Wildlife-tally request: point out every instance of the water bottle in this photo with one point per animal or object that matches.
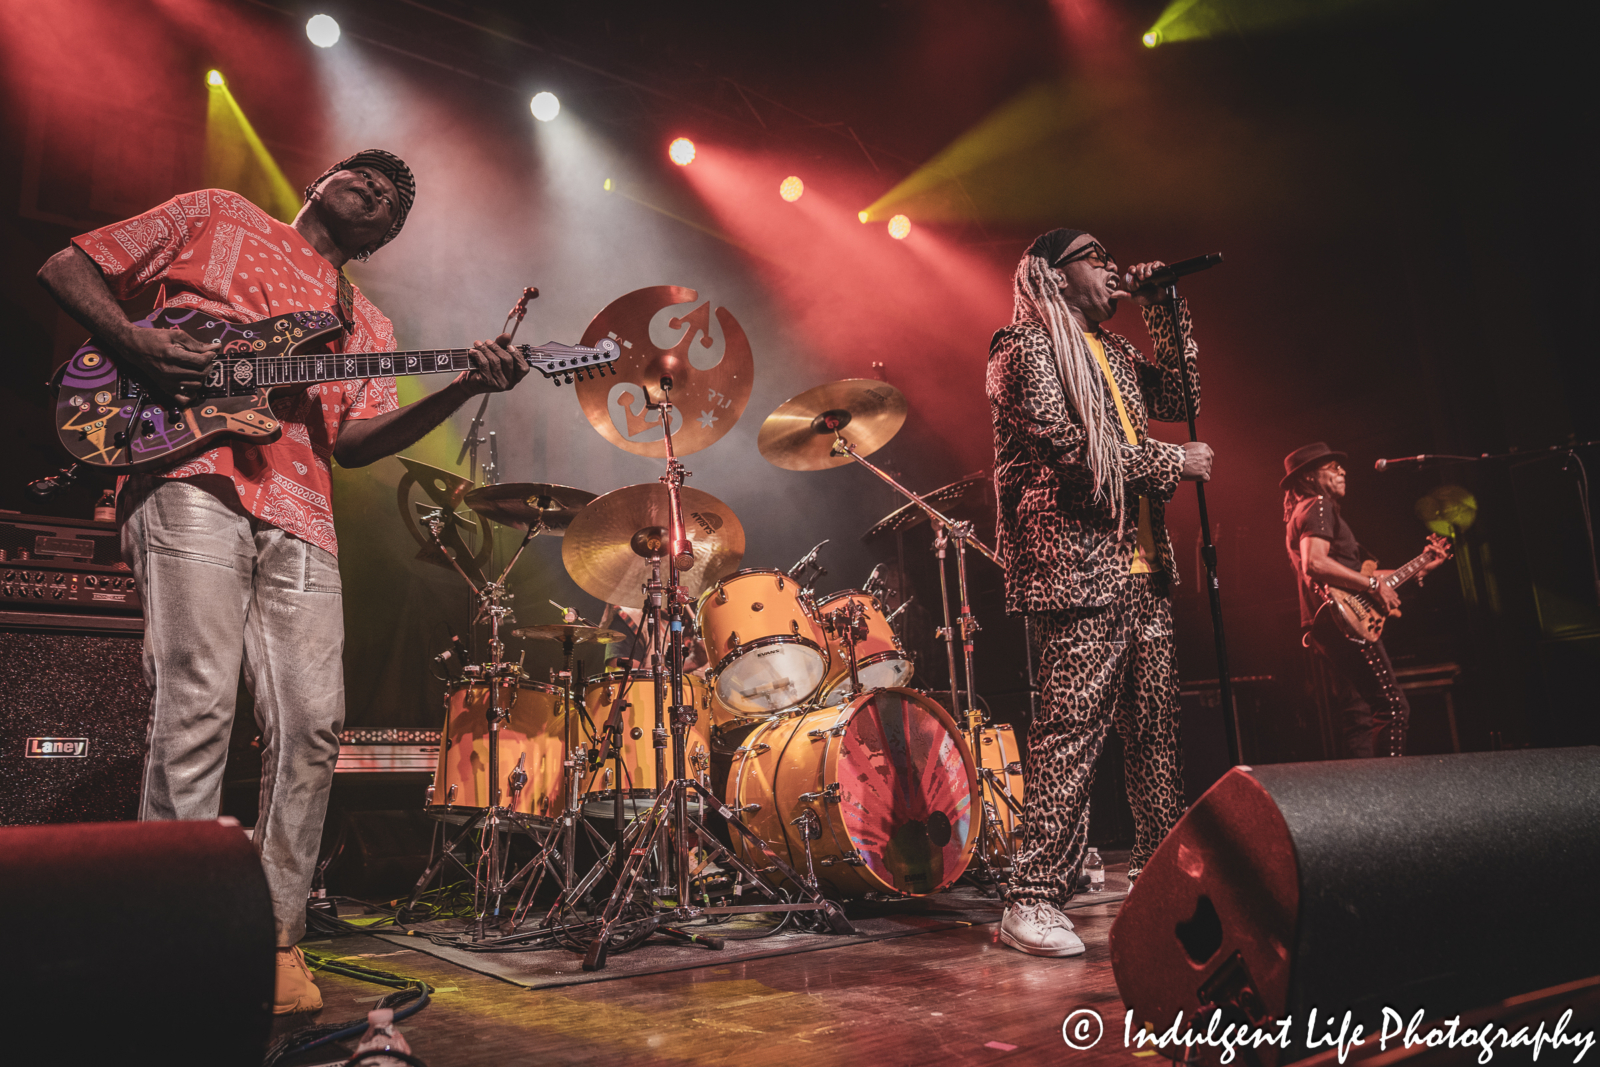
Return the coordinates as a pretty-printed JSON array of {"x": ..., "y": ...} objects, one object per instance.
[{"x": 1096, "y": 869}]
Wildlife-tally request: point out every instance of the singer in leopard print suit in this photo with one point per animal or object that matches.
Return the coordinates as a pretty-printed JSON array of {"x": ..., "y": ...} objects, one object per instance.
[{"x": 1082, "y": 490}]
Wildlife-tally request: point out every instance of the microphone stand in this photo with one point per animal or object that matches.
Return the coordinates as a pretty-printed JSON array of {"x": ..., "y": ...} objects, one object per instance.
[
  {"x": 1208, "y": 551},
  {"x": 470, "y": 443}
]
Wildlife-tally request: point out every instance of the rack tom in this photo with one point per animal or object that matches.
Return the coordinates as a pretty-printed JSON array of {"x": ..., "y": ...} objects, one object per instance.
[
  {"x": 881, "y": 662},
  {"x": 768, "y": 652},
  {"x": 883, "y": 787}
]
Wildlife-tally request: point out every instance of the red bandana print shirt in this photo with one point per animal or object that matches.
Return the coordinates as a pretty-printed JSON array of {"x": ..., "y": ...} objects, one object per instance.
[{"x": 215, "y": 251}]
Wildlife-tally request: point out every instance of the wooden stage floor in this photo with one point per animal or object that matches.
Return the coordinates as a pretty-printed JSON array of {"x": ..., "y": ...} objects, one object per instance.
[{"x": 948, "y": 997}]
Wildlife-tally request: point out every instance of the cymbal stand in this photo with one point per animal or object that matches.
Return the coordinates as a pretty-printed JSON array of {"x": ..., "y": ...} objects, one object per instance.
[
  {"x": 972, "y": 716},
  {"x": 673, "y": 796},
  {"x": 489, "y": 882}
]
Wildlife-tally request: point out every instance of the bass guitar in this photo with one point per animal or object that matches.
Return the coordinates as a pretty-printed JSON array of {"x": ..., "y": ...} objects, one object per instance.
[
  {"x": 108, "y": 416},
  {"x": 1361, "y": 615}
]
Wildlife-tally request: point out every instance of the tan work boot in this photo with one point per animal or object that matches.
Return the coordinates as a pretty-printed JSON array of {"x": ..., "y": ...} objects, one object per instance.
[{"x": 295, "y": 990}]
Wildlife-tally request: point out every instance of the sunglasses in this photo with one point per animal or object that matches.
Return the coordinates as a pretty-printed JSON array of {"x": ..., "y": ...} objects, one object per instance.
[{"x": 1094, "y": 252}]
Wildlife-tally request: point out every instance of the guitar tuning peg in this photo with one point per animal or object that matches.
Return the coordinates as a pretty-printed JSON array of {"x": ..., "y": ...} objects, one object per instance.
[{"x": 569, "y": 377}]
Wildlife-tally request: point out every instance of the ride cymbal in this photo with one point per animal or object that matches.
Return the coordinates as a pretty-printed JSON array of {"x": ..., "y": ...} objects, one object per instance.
[
  {"x": 523, "y": 504},
  {"x": 709, "y": 396},
  {"x": 968, "y": 498},
  {"x": 603, "y": 546},
  {"x": 579, "y": 635},
  {"x": 799, "y": 435}
]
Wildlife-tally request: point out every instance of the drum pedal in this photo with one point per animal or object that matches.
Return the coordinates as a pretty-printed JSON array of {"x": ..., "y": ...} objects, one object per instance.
[{"x": 852, "y": 857}]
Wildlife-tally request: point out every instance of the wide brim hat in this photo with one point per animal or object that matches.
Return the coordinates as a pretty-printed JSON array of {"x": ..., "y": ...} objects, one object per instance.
[
  {"x": 390, "y": 166},
  {"x": 1305, "y": 456}
]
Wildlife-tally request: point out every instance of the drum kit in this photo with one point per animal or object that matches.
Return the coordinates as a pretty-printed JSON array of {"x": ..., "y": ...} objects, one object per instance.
[{"x": 799, "y": 771}]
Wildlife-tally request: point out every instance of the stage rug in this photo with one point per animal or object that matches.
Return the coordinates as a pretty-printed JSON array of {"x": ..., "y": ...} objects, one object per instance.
[{"x": 545, "y": 967}]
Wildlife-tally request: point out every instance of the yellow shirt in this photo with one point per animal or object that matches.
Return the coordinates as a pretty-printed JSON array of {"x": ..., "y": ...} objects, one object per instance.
[{"x": 1144, "y": 556}]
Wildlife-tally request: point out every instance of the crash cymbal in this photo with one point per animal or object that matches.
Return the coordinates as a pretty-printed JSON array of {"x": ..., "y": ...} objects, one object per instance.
[
  {"x": 579, "y": 635},
  {"x": 967, "y": 499},
  {"x": 799, "y": 435},
  {"x": 708, "y": 390},
  {"x": 602, "y": 546},
  {"x": 524, "y": 503}
]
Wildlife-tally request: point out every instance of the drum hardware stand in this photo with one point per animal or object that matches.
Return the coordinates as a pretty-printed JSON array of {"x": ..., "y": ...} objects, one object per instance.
[
  {"x": 972, "y": 717},
  {"x": 637, "y": 845},
  {"x": 808, "y": 562},
  {"x": 489, "y": 882}
]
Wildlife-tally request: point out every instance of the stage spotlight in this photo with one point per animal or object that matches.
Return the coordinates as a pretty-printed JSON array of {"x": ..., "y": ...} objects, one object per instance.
[
  {"x": 792, "y": 188},
  {"x": 545, "y": 106},
  {"x": 899, "y": 227},
  {"x": 323, "y": 31},
  {"x": 1151, "y": 39},
  {"x": 607, "y": 186},
  {"x": 862, "y": 215},
  {"x": 214, "y": 79},
  {"x": 681, "y": 151}
]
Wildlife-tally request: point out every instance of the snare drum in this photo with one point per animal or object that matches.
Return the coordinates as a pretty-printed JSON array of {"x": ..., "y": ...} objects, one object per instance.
[
  {"x": 880, "y": 661},
  {"x": 638, "y": 743},
  {"x": 883, "y": 786},
  {"x": 769, "y": 653},
  {"x": 998, "y": 752},
  {"x": 531, "y": 740}
]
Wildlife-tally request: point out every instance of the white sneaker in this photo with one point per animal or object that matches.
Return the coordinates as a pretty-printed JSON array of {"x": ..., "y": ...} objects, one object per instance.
[{"x": 1039, "y": 930}]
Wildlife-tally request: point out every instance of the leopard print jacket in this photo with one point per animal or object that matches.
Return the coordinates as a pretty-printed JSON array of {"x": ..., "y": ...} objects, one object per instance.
[{"x": 1060, "y": 548}]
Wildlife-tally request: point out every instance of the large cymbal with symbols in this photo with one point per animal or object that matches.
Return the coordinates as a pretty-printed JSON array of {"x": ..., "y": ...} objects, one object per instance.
[
  {"x": 968, "y": 499},
  {"x": 578, "y": 635},
  {"x": 523, "y": 504},
  {"x": 607, "y": 546},
  {"x": 799, "y": 435},
  {"x": 709, "y": 389}
]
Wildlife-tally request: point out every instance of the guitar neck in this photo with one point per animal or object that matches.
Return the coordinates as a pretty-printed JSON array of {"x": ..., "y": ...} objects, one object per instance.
[
  {"x": 1405, "y": 573},
  {"x": 341, "y": 366}
]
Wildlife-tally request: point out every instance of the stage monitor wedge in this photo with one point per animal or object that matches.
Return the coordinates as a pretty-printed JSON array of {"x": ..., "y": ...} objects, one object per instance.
[{"x": 1436, "y": 882}]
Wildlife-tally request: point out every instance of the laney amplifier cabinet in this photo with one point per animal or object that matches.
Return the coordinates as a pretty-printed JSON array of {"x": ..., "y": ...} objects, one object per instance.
[
  {"x": 74, "y": 719},
  {"x": 51, "y": 567}
]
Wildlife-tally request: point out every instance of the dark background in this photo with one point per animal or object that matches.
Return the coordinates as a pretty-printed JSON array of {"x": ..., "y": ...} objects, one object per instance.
[{"x": 1397, "y": 189}]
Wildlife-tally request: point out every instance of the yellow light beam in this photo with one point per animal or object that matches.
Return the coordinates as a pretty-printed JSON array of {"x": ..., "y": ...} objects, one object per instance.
[
  {"x": 939, "y": 190},
  {"x": 237, "y": 160}
]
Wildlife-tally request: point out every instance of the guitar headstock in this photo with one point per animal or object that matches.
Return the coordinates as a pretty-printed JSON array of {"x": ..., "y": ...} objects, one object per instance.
[
  {"x": 567, "y": 363},
  {"x": 1438, "y": 547}
]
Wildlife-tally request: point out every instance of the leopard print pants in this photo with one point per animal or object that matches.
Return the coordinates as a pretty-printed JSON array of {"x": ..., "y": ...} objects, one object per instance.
[{"x": 1098, "y": 666}]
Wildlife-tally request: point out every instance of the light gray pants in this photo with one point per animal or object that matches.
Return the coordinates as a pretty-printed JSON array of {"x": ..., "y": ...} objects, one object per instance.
[{"x": 224, "y": 590}]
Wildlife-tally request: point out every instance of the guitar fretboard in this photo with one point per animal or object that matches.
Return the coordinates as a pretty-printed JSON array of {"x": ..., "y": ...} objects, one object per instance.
[
  {"x": 334, "y": 367},
  {"x": 1405, "y": 573}
]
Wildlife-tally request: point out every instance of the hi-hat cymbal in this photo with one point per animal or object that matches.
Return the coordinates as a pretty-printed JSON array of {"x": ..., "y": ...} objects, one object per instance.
[
  {"x": 799, "y": 435},
  {"x": 579, "y": 635},
  {"x": 602, "y": 547},
  {"x": 524, "y": 503},
  {"x": 965, "y": 499},
  {"x": 708, "y": 396}
]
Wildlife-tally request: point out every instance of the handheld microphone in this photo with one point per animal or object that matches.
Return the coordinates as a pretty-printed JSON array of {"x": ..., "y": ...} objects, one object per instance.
[{"x": 1171, "y": 273}]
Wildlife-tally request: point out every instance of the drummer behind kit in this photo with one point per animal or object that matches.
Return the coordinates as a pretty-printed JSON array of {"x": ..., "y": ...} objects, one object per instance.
[{"x": 839, "y": 781}]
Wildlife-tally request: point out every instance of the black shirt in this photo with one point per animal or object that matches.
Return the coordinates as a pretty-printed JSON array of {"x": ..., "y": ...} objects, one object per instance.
[{"x": 1318, "y": 516}]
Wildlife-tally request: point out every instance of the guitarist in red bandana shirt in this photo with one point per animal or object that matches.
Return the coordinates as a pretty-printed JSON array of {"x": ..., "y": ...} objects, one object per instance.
[
  {"x": 234, "y": 550},
  {"x": 1366, "y": 701}
]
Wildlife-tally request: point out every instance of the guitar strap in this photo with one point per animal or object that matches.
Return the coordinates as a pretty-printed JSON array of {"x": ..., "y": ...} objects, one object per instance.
[{"x": 347, "y": 304}]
